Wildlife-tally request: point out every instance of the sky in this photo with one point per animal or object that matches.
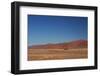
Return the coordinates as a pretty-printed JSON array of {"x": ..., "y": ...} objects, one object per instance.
[{"x": 44, "y": 29}]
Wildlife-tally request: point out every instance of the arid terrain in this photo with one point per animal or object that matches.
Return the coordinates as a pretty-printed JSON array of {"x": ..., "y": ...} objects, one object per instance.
[{"x": 68, "y": 50}]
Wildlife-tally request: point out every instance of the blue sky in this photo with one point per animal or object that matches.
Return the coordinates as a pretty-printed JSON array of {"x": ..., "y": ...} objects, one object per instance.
[{"x": 56, "y": 29}]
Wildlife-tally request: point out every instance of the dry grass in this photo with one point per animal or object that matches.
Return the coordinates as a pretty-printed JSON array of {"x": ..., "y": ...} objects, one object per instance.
[{"x": 52, "y": 54}]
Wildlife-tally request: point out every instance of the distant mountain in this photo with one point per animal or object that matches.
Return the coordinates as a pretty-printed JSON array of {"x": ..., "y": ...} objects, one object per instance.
[
  {"x": 78, "y": 44},
  {"x": 66, "y": 45}
]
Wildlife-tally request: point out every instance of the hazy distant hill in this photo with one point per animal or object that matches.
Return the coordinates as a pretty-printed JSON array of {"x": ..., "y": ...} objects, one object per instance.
[{"x": 66, "y": 45}]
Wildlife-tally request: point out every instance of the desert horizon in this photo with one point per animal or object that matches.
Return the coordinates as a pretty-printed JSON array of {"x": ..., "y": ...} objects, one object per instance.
[
  {"x": 57, "y": 37},
  {"x": 54, "y": 51}
]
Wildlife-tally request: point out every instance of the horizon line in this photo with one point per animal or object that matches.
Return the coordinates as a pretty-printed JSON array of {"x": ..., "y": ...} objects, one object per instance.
[{"x": 58, "y": 42}]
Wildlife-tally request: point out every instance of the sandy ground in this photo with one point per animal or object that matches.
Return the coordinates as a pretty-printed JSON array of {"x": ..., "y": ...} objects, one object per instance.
[{"x": 52, "y": 54}]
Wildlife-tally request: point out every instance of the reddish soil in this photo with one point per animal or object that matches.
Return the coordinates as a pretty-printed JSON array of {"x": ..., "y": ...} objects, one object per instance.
[{"x": 70, "y": 50}]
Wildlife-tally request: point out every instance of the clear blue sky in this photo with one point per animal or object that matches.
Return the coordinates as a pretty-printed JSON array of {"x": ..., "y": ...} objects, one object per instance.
[{"x": 56, "y": 29}]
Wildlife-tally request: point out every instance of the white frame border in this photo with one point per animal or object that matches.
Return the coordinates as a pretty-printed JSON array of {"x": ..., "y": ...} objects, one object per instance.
[{"x": 24, "y": 64}]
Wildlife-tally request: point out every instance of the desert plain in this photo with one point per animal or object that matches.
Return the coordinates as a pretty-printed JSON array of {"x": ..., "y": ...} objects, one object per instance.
[{"x": 69, "y": 50}]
